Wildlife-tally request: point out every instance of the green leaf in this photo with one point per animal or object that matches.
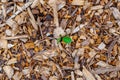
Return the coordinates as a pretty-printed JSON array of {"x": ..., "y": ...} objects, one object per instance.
[
  {"x": 59, "y": 40},
  {"x": 67, "y": 39}
]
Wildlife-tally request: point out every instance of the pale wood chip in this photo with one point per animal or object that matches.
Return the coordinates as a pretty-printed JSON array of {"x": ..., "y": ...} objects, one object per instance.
[
  {"x": 32, "y": 19},
  {"x": 12, "y": 23},
  {"x": 58, "y": 32},
  {"x": 72, "y": 76},
  {"x": 4, "y": 1},
  {"x": 17, "y": 76},
  {"x": 3, "y": 43},
  {"x": 12, "y": 61},
  {"x": 23, "y": 8},
  {"x": 98, "y": 77},
  {"x": 3, "y": 10},
  {"x": 45, "y": 55},
  {"x": 87, "y": 74},
  {"x": 92, "y": 53},
  {"x": 26, "y": 71},
  {"x": 16, "y": 37},
  {"x": 78, "y": 72},
  {"x": 80, "y": 52},
  {"x": 79, "y": 79},
  {"x": 35, "y": 3},
  {"x": 116, "y": 13},
  {"x": 20, "y": 19},
  {"x": 102, "y": 64},
  {"x": 101, "y": 46},
  {"x": 8, "y": 32},
  {"x": 96, "y": 7},
  {"x": 75, "y": 30},
  {"x": 107, "y": 69},
  {"x": 113, "y": 74},
  {"x": 53, "y": 78},
  {"x": 59, "y": 69},
  {"x": 9, "y": 71},
  {"x": 60, "y": 4},
  {"x": 78, "y": 2},
  {"x": 53, "y": 4}
]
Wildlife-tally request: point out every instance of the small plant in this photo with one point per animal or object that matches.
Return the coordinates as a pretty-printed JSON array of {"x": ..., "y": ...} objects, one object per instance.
[{"x": 65, "y": 39}]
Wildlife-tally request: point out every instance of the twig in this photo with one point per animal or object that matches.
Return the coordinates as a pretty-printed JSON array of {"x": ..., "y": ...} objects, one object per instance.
[
  {"x": 16, "y": 37},
  {"x": 54, "y": 6},
  {"x": 20, "y": 10},
  {"x": 104, "y": 70},
  {"x": 40, "y": 29},
  {"x": 72, "y": 76},
  {"x": 59, "y": 69},
  {"x": 17, "y": 12},
  {"x": 111, "y": 47},
  {"x": 32, "y": 19}
]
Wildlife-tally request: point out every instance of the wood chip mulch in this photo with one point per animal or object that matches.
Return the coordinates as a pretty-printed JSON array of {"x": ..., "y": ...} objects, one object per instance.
[{"x": 29, "y": 32}]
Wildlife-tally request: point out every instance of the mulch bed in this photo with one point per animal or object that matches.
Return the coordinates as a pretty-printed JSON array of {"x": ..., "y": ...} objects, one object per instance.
[{"x": 59, "y": 39}]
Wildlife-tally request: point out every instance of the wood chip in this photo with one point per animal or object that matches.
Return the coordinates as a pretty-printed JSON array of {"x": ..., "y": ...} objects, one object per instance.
[
  {"x": 102, "y": 64},
  {"x": 9, "y": 71},
  {"x": 58, "y": 31},
  {"x": 17, "y": 76},
  {"x": 87, "y": 74},
  {"x": 72, "y": 76},
  {"x": 12, "y": 61},
  {"x": 96, "y": 7},
  {"x": 101, "y": 46},
  {"x": 78, "y": 2},
  {"x": 3, "y": 44},
  {"x": 45, "y": 55}
]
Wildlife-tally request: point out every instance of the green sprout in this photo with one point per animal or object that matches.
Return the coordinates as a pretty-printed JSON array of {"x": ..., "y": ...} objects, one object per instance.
[{"x": 65, "y": 39}]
